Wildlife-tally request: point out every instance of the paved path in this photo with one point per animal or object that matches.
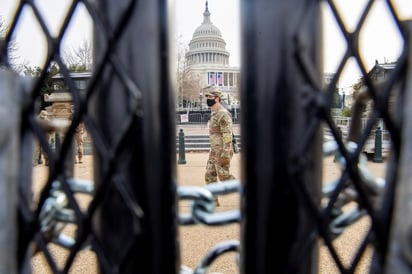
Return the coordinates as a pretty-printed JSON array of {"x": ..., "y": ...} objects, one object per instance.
[
  {"x": 200, "y": 129},
  {"x": 195, "y": 241}
]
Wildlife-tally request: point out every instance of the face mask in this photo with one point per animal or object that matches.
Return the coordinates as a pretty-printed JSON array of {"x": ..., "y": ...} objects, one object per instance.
[{"x": 210, "y": 102}]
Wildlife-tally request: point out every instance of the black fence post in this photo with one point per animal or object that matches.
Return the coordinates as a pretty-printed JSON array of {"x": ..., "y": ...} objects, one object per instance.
[
  {"x": 10, "y": 169},
  {"x": 377, "y": 154},
  {"x": 398, "y": 256},
  {"x": 337, "y": 153},
  {"x": 280, "y": 63},
  {"x": 133, "y": 108},
  {"x": 182, "y": 149}
]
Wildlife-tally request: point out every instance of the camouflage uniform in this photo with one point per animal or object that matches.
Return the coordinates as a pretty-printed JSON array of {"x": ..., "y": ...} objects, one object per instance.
[
  {"x": 220, "y": 130},
  {"x": 79, "y": 141},
  {"x": 38, "y": 150}
]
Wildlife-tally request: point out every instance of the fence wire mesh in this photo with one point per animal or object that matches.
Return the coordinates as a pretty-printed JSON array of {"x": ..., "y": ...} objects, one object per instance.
[{"x": 129, "y": 222}]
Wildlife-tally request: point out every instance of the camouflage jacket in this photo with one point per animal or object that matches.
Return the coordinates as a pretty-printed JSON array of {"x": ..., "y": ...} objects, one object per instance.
[{"x": 220, "y": 131}]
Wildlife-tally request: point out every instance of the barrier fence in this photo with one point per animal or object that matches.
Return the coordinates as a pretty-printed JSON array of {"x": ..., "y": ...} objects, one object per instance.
[{"x": 287, "y": 212}]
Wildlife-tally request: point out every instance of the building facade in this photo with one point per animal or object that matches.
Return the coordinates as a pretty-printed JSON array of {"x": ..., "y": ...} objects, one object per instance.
[
  {"x": 61, "y": 99},
  {"x": 208, "y": 60}
]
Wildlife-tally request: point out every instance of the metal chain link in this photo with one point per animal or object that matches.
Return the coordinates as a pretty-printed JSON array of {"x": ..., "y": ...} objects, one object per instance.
[
  {"x": 55, "y": 213},
  {"x": 203, "y": 203},
  {"x": 374, "y": 186}
]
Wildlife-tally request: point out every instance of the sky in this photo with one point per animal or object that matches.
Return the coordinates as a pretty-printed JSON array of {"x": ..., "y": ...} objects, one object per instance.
[
  {"x": 224, "y": 14},
  {"x": 380, "y": 41},
  {"x": 31, "y": 43}
]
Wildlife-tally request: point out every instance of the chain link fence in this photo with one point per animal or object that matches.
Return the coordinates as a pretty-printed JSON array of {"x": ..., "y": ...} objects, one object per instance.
[{"x": 130, "y": 224}]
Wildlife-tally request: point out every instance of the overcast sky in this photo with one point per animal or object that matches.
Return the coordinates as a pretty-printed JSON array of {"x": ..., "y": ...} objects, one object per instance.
[
  {"x": 30, "y": 40},
  {"x": 224, "y": 14},
  {"x": 380, "y": 40}
]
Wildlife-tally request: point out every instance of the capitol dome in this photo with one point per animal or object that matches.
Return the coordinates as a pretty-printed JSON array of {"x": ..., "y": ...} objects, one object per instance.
[
  {"x": 207, "y": 27},
  {"x": 207, "y": 64},
  {"x": 207, "y": 45}
]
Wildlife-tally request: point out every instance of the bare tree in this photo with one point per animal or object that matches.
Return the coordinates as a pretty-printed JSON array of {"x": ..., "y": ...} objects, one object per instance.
[
  {"x": 11, "y": 48},
  {"x": 80, "y": 58},
  {"x": 188, "y": 82}
]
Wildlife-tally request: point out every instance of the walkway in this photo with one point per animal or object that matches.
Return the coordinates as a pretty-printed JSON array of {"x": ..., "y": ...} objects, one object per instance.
[{"x": 195, "y": 241}]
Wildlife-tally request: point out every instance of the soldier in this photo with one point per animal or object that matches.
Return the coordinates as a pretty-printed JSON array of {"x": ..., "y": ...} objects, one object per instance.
[
  {"x": 220, "y": 134},
  {"x": 39, "y": 152},
  {"x": 79, "y": 142}
]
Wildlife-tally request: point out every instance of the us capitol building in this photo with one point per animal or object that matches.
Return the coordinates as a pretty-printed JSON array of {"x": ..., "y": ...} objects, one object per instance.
[{"x": 208, "y": 60}]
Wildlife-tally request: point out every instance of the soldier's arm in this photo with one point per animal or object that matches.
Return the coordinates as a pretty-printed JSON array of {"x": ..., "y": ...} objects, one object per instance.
[{"x": 225, "y": 124}]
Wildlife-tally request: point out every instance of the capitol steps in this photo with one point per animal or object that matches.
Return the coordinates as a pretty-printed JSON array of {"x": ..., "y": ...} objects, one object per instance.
[{"x": 199, "y": 142}]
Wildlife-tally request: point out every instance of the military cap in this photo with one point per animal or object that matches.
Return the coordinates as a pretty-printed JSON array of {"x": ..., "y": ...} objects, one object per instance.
[{"x": 213, "y": 91}]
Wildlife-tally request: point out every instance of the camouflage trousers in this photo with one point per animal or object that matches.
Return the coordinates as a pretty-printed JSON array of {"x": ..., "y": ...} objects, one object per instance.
[
  {"x": 215, "y": 169},
  {"x": 39, "y": 154}
]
